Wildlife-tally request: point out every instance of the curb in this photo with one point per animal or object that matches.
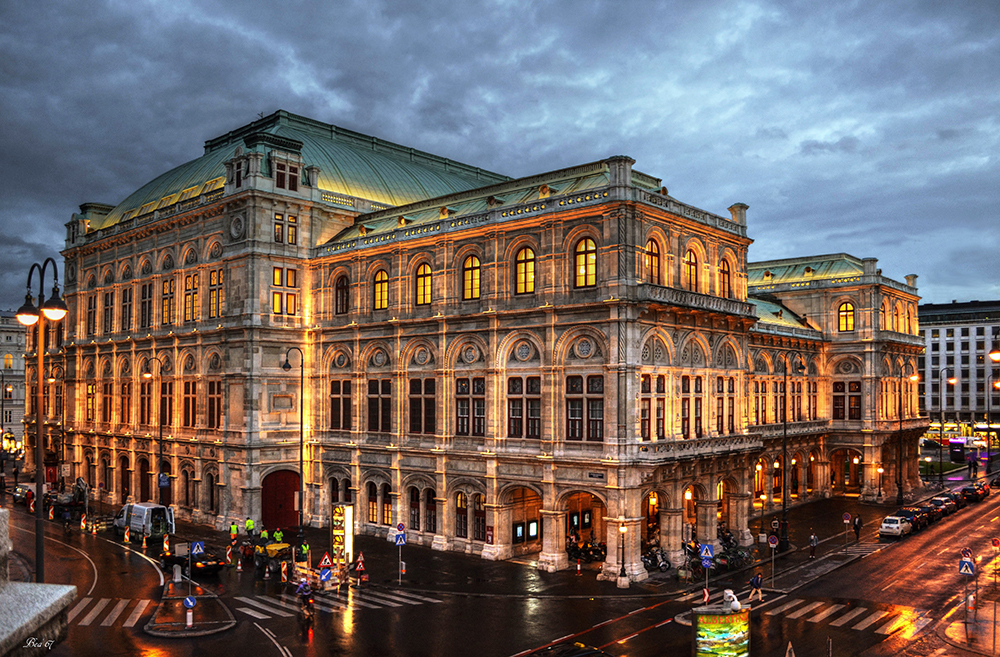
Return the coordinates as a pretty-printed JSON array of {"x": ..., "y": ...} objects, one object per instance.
[{"x": 196, "y": 630}]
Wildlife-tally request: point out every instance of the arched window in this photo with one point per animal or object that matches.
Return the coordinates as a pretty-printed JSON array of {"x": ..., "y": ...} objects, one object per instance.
[
  {"x": 909, "y": 321},
  {"x": 586, "y": 263},
  {"x": 414, "y": 508},
  {"x": 210, "y": 493},
  {"x": 470, "y": 278},
  {"x": 725, "y": 280},
  {"x": 525, "y": 271},
  {"x": 430, "y": 517},
  {"x": 386, "y": 505},
  {"x": 461, "y": 516},
  {"x": 897, "y": 322},
  {"x": 380, "y": 300},
  {"x": 372, "y": 503},
  {"x": 881, "y": 319},
  {"x": 8, "y": 361},
  {"x": 478, "y": 517},
  {"x": 422, "y": 293},
  {"x": 186, "y": 487},
  {"x": 341, "y": 295},
  {"x": 652, "y": 262},
  {"x": 690, "y": 271},
  {"x": 845, "y": 316}
]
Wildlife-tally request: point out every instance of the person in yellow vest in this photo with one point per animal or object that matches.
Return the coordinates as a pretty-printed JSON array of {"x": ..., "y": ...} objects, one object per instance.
[
  {"x": 304, "y": 550},
  {"x": 233, "y": 530},
  {"x": 278, "y": 535},
  {"x": 249, "y": 527},
  {"x": 263, "y": 534}
]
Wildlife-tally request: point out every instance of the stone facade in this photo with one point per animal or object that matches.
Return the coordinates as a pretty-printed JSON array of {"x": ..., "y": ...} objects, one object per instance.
[{"x": 496, "y": 367}]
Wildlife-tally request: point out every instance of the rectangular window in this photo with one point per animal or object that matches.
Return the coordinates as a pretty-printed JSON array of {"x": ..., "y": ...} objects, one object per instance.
[
  {"x": 592, "y": 400},
  {"x": 854, "y": 400},
  {"x": 92, "y": 315},
  {"x": 293, "y": 230},
  {"x": 106, "y": 402},
  {"x": 190, "y": 404},
  {"x": 422, "y": 406},
  {"x": 279, "y": 176},
  {"x": 291, "y": 278},
  {"x": 109, "y": 312},
  {"x": 379, "y": 405},
  {"x": 279, "y": 228},
  {"x": 470, "y": 398},
  {"x": 191, "y": 298},
  {"x": 720, "y": 415},
  {"x": 291, "y": 304},
  {"x": 166, "y": 403},
  {"x": 277, "y": 302},
  {"x": 340, "y": 405},
  {"x": 167, "y": 303},
  {"x": 214, "y": 405},
  {"x": 145, "y": 397},
  {"x": 215, "y": 293},
  {"x": 145, "y": 305},
  {"x": 91, "y": 401},
  {"x": 125, "y": 404},
  {"x": 125, "y": 319},
  {"x": 524, "y": 407}
]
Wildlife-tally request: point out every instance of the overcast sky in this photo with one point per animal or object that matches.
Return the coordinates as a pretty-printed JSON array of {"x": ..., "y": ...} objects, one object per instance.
[{"x": 864, "y": 127}]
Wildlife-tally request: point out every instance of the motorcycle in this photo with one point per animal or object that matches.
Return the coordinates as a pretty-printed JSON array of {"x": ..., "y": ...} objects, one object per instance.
[
  {"x": 655, "y": 559},
  {"x": 307, "y": 611},
  {"x": 575, "y": 552},
  {"x": 597, "y": 551}
]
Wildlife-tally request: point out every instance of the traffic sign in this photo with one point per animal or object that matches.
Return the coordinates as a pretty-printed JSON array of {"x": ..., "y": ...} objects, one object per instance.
[
  {"x": 361, "y": 557},
  {"x": 400, "y": 539},
  {"x": 966, "y": 567},
  {"x": 775, "y": 524},
  {"x": 325, "y": 574},
  {"x": 190, "y": 602},
  {"x": 705, "y": 596},
  {"x": 197, "y": 547},
  {"x": 706, "y": 563},
  {"x": 967, "y": 553},
  {"x": 772, "y": 541},
  {"x": 164, "y": 480},
  {"x": 401, "y": 527},
  {"x": 996, "y": 542},
  {"x": 325, "y": 562},
  {"x": 847, "y": 518},
  {"x": 706, "y": 551}
]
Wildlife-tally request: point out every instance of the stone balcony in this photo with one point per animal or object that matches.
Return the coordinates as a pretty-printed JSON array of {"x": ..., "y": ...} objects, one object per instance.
[{"x": 670, "y": 296}]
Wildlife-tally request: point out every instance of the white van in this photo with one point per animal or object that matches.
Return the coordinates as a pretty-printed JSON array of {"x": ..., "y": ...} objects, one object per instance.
[{"x": 145, "y": 518}]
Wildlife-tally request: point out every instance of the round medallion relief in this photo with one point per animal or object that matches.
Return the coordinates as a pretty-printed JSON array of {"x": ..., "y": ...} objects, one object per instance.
[
  {"x": 584, "y": 348},
  {"x": 470, "y": 354},
  {"x": 421, "y": 357},
  {"x": 236, "y": 227},
  {"x": 340, "y": 360},
  {"x": 523, "y": 351},
  {"x": 379, "y": 358}
]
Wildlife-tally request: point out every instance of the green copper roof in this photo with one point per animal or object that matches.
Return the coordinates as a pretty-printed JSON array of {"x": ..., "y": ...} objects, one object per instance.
[
  {"x": 770, "y": 312},
  {"x": 795, "y": 270},
  {"x": 350, "y": 163}
]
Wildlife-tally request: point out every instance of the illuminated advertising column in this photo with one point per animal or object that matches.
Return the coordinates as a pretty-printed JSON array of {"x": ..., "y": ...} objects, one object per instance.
[
  {"x": 720, "y": 630},
  {"x": 342, "y": 534}
]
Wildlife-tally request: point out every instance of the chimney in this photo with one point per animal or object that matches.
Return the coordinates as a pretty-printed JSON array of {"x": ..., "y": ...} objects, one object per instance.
[{"x": 911, "y": 280}]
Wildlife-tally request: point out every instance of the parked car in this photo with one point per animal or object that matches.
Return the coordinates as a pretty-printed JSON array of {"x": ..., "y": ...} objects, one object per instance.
[
  {"x": 935, "y": 513},
  {"x": 982, "y": 486},
  {"x": 20, "y": 493},
  {"x": 972, "y": 494},
  {"x": 569, "y": 649},
  {"x": 945, "y": 503},
  {"x": 917, "y": 518},
  {"x": 206, "y": 563},
  {"x": 956, "y": 497},
  {"x": 895, "y": 526}
]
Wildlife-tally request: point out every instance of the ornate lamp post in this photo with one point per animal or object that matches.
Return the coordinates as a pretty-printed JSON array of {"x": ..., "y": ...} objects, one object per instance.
[
  {"x": 161, "y": 478},
  {"x": 62, "y": 419},
  {"x": 783, "y": 538},
  {"x": 951, "y": 381},
  {"x": 10, "y": 448},
  {"x": 880, "y": 470},
  {"x": 622, "y": 575},
  {"x": 52, "y": 310},
  {"x": 302, "y": 441}
]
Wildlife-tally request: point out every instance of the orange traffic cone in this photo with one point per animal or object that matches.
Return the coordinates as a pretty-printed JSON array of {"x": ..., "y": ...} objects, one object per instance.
[
  {"x": 239, "y": 565},
  {"x": 93, "y": 528},
  {"x": 143, "y": 541}
]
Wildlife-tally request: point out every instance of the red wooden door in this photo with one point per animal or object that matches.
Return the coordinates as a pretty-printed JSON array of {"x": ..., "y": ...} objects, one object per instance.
[{"x": 278, "y": 500}]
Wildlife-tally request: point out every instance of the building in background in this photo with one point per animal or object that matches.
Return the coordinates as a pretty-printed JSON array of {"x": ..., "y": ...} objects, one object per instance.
[
  {"x": 958, "y": 339},
  {"x": 496, "y": 363},
  {"x": 12, "y": 348}
]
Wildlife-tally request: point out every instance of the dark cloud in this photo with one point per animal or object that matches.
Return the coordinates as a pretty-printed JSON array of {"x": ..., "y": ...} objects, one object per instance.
[{"x": 861, "y": 127}]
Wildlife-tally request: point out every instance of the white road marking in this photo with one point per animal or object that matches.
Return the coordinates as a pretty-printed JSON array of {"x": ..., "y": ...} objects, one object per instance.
[
  {"x": 802, "y": 611},
  {"x": 826, "y": 612},
  {"x": 98, "y": 608},
  {"x": 133, "y": 618},
  {"x": 784, "y": 607},
  {"x": 285, "y": 652},
  {"x": 276, "y": 612},
  {"x": 871, "y": 620},
  {"x": 849, "y": 616},
  {"x": 77, "y": 609},
  {"x": 408, "y": 594},
  {"x": 251, "y": 612},
  {"x": 115, "y": 613}
]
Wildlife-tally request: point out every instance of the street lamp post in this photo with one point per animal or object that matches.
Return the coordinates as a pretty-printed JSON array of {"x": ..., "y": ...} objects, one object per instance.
[
  {"x": 783, "y": 538},
  {"x": 62, "y": 420},
  {"x": 622, "y": 574},
  {"x": 161, "y": 475},
  {"x": 52, "y": 310},
  {"x": 302, "y": 442},
  {"x": 941, "y": 381},
  {"x": 880, "y": 470}
]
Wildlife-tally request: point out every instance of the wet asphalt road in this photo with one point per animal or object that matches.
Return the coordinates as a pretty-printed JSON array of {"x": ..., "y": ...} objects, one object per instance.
[{"x": 444, "y": 609}]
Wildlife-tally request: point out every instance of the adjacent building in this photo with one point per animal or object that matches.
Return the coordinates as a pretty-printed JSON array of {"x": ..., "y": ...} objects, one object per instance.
[
  {"x": 12, "y": 348},
  {"x": 494, "y": 362}
]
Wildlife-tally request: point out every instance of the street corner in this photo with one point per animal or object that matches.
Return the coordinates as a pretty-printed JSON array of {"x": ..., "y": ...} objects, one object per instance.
[{"x": 183, "y": 614}]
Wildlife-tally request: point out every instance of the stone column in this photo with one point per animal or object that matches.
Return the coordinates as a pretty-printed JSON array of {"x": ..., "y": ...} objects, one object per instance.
[
  {"x": 803, "y": 470},
  {"x": 823, "y": 478},
  {"x": 739, "y": 503},
  {"x": 671, "y": 535},
  {"x": 445, "y": 526},
  {"x": 553, "y": 556},
  {"x": 707, "y": 523}
]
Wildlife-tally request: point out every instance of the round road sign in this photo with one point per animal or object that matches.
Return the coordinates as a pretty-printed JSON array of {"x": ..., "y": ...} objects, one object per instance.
[
  {"x": 190, "y": 602},
  {"x": 966, "y": 552},
  {"x": 706, "y": 563},
  {"x": 996, "y": 542},
  {"x": 772, "y": 541},
  {"x": 401, "y": 527},
  {"x": 847, "y": 518},
  {"x": 774, "y": 523}
]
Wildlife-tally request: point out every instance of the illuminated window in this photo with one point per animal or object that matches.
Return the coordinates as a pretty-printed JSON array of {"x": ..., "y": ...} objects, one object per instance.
[
  {"x": 372, "y": 502},
  {"x": 293, "y": 230},
  {"x": 423, "y": 285},
  {"x": 845, "y": 316},
  {"x": 470, "y": 278},
  {"x": 277, "y": 302},
  {"x": 690, "y": 271},
  {"x": 291, "y": 278},
  {"x": 291, "y": 304},
  {"x": 386, "y": 504},
  {"x": 652, "y": 260},
  {"x": 215, "y": 293},
  {"x": 277, "y": 276},
  {"x": 725, "y": 280},
  {"x": 381, "y": 291},
  {"x": 167, "y": 302},
  {"x": 125, "y": 318},
  {"x": 340, "y": 405},
  {"x": 525, "y": 271},
  {"x": 586, "y": 263},
  {"x": 341, "y": 295},
  {"x": 191, "y": 298},
  {"x": 279, "y": 228}
]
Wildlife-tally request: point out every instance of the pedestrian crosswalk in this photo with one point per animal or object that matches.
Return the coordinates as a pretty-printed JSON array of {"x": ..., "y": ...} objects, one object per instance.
[
  {"x": 285, "y": 605},
  {"x": 864, "y": 549},
  {"x": 96, "y": 611}
]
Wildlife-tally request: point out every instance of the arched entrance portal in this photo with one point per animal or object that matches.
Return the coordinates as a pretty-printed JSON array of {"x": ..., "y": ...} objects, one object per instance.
[
  {"x": 846, "y": 471},
  {"x": 143, "y": 480},
  {"x": 124, "y": 489},
  {"x": 585, "y": 516},
  {"x": 278, "y": 492}
]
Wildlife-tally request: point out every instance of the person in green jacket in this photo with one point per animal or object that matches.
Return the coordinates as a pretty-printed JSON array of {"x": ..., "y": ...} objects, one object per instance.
[
  {"x": 278, "y": 535},
  {"x": 263, "y": 534},
  {"x": 249, "y": 527},
  {"x": 233, "y": 530}
]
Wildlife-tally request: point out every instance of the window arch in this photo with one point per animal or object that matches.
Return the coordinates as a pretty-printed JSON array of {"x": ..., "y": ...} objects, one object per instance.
[
  {"x": 897, "y": 320},
  {"x": 725, "y": 280},
  {"x": 690, "y": 272},
  {"x": 210, "y": 497},
  {"x": 586, "y": 263},
  {"x": 461, "y": 515},
  {"x": 470, "y": 278},
  {"x": 341, "y": 295},
  {"x": 652, "y": 262},
  {"x": 8, "y": 361},
  {"x": 882, "y": 319},
  {"x": 372, "y": 503},
  {"x": 422, "y": 284},
  {"x": 524, "y": 268},
  {"x": 845, "y": 316},
  {"x": 380, "y": 296}
]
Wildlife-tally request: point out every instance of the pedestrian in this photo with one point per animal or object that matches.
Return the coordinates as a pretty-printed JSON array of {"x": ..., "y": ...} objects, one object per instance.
[
  {"x": 756, "y": 582},
  {"x": 249, "y": 527},
  {"x": 233, "y": 530},
  {"x": 278, "y": 535},
  {"x": 304, "y": 550},
  {"x": 857, "y": 527},
  {"x": 813, "y": 542}
]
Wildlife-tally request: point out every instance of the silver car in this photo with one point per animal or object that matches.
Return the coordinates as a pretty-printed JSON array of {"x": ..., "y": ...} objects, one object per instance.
[{"x": 895, "y": 526}]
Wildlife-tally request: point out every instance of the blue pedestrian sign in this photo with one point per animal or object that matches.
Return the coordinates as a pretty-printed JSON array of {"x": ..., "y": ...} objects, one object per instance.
[
  {"x": 401, "y": 539},
  {"x": 706, "y": 563},
  {"x": 325, "y": 575},
  {"x": 967, "y": 567},
  {"x": 706, "y": 551},
  {"x": 190, "y": 602},
  {"x": 197, "y": 547}
]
